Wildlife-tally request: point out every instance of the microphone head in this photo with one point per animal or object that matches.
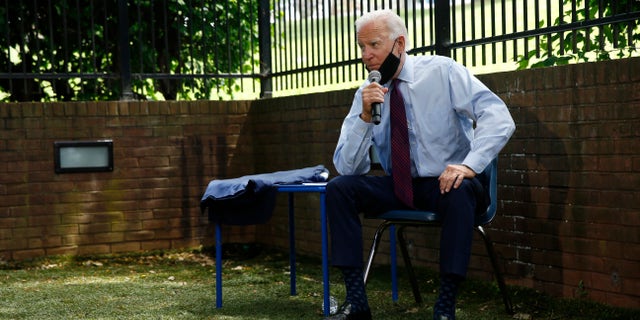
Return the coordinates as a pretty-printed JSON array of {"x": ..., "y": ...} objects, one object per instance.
[{"x": 375, "y": 76}]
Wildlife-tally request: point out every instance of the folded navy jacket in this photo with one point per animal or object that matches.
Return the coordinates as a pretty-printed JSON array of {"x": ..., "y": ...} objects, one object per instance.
[{"x": 251, "y": 199}]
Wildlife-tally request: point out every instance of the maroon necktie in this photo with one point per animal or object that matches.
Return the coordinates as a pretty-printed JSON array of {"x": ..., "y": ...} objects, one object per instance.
[{"x": 400, "y": 159}]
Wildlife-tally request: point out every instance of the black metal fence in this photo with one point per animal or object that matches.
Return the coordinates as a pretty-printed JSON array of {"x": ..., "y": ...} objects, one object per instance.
[{"x": 226, "y": 49}]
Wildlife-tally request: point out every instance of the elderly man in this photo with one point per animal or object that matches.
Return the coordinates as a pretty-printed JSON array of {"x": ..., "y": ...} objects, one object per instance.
[{"x": 438, "y": 127}]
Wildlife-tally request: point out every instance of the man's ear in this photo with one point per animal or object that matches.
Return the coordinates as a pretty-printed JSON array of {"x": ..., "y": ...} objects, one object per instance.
[{"x": 402, "y": 44}]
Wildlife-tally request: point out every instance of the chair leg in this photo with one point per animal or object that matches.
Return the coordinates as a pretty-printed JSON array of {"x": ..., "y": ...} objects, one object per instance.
[
  {"x": 393, "y": 257},
  {"x": 408, "y": 265},
  {"x": 494, "y": 262},
  {"x": 374, "y": 247}
]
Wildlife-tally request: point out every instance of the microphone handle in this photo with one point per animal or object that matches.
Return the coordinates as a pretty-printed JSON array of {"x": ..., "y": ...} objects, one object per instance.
[{"x": 375, "y": 113}]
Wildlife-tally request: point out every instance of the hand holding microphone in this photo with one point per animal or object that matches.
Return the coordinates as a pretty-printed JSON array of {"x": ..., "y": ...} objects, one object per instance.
[{"x": 375, "y": 76}]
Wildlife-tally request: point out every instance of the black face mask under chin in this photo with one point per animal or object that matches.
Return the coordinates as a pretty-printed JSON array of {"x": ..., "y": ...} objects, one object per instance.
[{"x": 389, "y": 66}]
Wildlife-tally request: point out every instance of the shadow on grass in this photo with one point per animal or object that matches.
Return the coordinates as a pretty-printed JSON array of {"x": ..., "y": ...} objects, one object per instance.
[{"x": 181, "y": 285}]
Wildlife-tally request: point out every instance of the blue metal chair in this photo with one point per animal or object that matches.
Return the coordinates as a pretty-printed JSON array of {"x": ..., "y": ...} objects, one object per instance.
[{"x": 415, "y": 218}]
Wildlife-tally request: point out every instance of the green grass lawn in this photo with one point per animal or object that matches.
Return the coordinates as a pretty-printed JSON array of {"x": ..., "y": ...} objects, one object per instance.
[{"x": 181, "y": 285}]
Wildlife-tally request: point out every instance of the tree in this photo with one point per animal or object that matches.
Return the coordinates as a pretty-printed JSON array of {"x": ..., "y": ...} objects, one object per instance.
[
  {"x": 597, "y": 43},
  {"x": 70, "y": 48}
]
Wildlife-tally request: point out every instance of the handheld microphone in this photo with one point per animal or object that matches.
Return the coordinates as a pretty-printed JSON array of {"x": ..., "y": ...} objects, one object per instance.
[{"x": 375, "y": 76}]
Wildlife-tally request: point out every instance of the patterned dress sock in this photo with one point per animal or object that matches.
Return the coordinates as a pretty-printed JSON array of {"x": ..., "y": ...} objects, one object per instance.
[
  {"x": 354, "y": 283},
  {"x": 446, "y": 303}
]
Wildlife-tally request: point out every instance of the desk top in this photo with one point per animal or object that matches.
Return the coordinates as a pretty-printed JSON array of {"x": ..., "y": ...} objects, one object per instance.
[{"x": 303, "y": 187}]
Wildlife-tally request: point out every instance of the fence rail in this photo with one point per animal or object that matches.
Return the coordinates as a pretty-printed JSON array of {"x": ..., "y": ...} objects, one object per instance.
[{"x": 231, "y": 49}]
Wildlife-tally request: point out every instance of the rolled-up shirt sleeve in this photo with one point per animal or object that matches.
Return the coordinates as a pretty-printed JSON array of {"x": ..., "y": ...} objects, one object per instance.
[
  {"x": 351, "y": 156},
  {"x": 493, "y": 122}
]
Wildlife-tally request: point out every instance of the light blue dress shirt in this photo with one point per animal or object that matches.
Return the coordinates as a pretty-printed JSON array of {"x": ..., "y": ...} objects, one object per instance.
[{"x": 443, "y": 100}]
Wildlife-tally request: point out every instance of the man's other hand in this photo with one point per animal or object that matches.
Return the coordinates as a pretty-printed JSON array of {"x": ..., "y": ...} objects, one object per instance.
[{"x": 453, "y": 175}]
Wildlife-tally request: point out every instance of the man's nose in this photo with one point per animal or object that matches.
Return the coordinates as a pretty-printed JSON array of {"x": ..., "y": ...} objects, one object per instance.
[{"x": 366, "y": 54}]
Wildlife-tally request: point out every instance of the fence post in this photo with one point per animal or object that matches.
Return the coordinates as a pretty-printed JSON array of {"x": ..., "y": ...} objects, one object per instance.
[
  {"x": 124, "y": 51},
  {"x": 264, "y": 39},
  {"x": 443, "y": 28}
]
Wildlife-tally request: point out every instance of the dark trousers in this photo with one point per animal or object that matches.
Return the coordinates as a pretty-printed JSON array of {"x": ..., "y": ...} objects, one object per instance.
[{"x": 348, "y": 196}]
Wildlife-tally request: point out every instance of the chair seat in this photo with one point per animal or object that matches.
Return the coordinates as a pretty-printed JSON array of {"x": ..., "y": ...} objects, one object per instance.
[
  {"x": 410, "y": 215},
  {"x": 424, "y": 217}
]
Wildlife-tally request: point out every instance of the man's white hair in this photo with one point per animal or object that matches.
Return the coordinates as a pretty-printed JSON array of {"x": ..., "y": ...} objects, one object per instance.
[{"x": 393, "y": 22}]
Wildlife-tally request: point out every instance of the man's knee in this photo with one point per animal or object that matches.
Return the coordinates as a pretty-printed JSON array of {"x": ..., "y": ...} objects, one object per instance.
[
  {"x": 471, "y": 194},
  {"x": 341, "y": 183},
  {"x": 463, "y": 195},
  {"x": 465, "y": 189}
]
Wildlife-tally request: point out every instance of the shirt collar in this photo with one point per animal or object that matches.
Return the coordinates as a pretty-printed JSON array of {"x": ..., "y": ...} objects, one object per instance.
[{"x": 407, "y": 74}]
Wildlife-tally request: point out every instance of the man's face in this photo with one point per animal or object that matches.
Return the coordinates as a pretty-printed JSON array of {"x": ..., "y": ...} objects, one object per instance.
[{"x": 374, "y": 43}]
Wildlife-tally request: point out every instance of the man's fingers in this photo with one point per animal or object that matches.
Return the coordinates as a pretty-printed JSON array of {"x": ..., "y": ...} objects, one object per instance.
[{"x": 450, "y": 179}]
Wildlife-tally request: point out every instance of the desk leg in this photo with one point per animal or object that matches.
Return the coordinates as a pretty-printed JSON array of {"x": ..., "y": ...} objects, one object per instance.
[
  {"x": 292, "y": 246},
  {"x": 218, "y": 265},
  {"x": 325, "y": 254}
]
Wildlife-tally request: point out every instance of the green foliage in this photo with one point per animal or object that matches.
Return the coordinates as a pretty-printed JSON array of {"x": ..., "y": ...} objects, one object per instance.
[
  {"x": 58, "y": 38},
  {"x": 601, "y": 43}
]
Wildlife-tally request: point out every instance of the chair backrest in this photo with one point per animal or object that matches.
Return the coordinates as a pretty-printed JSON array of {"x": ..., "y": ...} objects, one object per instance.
[{"x": 490, "y": 177}]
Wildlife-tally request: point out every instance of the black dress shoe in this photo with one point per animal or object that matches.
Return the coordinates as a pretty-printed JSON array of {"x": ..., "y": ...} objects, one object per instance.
[
  {"x": 345, "y": 313},
  {"x": 442, "y": 317}
]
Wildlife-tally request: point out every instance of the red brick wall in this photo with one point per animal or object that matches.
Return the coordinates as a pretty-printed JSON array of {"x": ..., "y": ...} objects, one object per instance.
[
  {"x": 568, "y": 216},
  {"x": 164, "y": 153},
  {"x": 570, "y": 213}
]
